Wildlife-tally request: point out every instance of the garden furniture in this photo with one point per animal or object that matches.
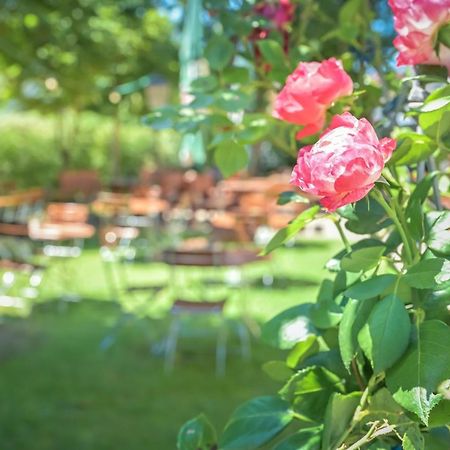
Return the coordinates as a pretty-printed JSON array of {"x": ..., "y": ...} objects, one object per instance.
[
  {"x": 19, "y": 285},
  {"x": 80, "y": 185},
  {"x": 116, "y": 252},
  {"x": 207, "y": 261},
  {"x": 62, "y": 233},
  {"x": 17, "y": 208}
]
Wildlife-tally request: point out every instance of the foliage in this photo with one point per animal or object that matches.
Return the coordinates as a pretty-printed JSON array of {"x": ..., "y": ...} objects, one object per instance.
[
  {"x": 367, "y": 364},
  {"x": 74, "y": 53},
  {"x": 30, "y": 156}
]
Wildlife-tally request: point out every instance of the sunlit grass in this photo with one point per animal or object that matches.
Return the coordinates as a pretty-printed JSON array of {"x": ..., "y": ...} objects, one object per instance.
[{"x": 60, "y": 390}]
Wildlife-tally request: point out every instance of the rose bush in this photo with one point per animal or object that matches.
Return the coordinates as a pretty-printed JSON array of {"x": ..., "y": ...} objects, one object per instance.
[
  {"x": 417, "y": 24},
  {"x": 308, "y": 93},
  {"x": 344, "y": 164},
  {"x": 365, "y": 364}
]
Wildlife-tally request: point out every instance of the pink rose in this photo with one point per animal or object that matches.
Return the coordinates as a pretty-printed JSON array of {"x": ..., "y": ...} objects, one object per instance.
[
  {"x": 343, "y": 165},
  {"x": 417, "y": 23},
  {"x": 308, "y": 93},
  {"x": 281, "y": 13}
]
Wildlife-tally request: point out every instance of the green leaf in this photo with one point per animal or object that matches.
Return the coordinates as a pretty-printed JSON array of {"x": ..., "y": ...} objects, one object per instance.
[
  {"x": 219, "y": 52},
  {"x": 443, "y": 131},
  {"x": 257, "y": 127},
  {"x": 372, "y": 287},
  {"x": 355, "y": 315},
  {"x": 334, "y": 264},
  {"x": 309, "y": 390},
  {"x": 413, "y": 439},
  {"x": 161, "y": 118},
  {"x": 418, "y": 401},
  {"x": 443, "y": 36},
  {"x": 434, "y": 105},
  {"x": 414, "y": 211},
  {"x": 287, "y": 233},
  {"x": 326, "y": 314},
  {"x": 201, "y": 101},
  {"x": 415, "y": 378},
  {"x": 437, "y": 225},
  {"x": 340, "y": 410},
  {"x": 236, "y": 75},
  {"x": 305, "y": 439},
  {"x": 431, "y": 121},
  {"x": 277, "y": 370},
  {"x": 329, "y": 359},
  {"x": 385, "y": 336},
  {"x": 205, "y": 84},
  {"x": 365, "y": 217},
  {"x": 301, "y": 351},
  {"x": 232, "y": 100},
  {"x": 362, "y": 259},
  {"x": 272, "y": 52},
  {"x": 440, "y": 415},
  {"x": 289, "y": 327},
  {"x": 382, "y": 404},
  {"x": 255, "y": 423},
  {"x": 413, "y": 147},
  {"x": 197, "y": 434},
  {"x": 230, "y": 157},
  {"x": 437, "y": 439},
  {"x": 290, "y": 197},
  {"x": 424, "y": 274}
]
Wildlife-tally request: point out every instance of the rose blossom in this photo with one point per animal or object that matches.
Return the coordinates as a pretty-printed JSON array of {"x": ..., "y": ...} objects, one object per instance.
[
  {"x": 309, "y": 91},
  {"x": 343, "y": 165},
  {"x": 281, "y": 14},
  {"x": 417, "y": 23}
]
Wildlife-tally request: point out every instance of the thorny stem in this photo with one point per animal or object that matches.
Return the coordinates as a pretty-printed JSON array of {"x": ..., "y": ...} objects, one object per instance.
[
  {"x": 362, "y": 404},
  {"x": 366, "y": 438},
  {"x": 355, "y": 371},
  {"x": 402, "y": 219},
  {"x": 393, "y": 216},
  {"x": 342, "y": 235}
]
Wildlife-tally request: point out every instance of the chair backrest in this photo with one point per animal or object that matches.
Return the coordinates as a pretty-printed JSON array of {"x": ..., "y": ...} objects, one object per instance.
[
  {"x": 171, "y": 182},
  {"x": 190, "y": 307},
  {"x": 142, "y": 206},
  {"x": 209, "y": 257},
  {"x": 67, "y": 213},
  {"x": 202, "y": 258},
  {"x": 17, "y": 208},
  {"x": 73, "y": 183}
]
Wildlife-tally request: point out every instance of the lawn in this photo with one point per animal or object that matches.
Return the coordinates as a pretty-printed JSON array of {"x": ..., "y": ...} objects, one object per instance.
[{"x": 61, "y": 390}]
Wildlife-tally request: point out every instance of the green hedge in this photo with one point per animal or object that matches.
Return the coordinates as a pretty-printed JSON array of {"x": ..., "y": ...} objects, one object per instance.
[{"x": 30, "y": 149}]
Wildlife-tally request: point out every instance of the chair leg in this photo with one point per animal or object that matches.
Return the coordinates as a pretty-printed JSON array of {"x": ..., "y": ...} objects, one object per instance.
[
  {"x": 221, "y": 349},
  {"x": 171, "y": 345},
  {"x": 244, "y": 337}
]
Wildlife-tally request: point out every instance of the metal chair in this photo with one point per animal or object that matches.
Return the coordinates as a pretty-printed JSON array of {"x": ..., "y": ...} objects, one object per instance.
[
  {"x": 20, "y": 279},
  {"x": 116, "y": 252},
  {"x": 182, "y": 310},
  {"x": 61, "y": 235}
]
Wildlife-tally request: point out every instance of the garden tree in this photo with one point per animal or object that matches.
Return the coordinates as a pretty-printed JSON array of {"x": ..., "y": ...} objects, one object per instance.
[
  {"x": 58, "y": 56},
  {"x": 367, "y": 362}
]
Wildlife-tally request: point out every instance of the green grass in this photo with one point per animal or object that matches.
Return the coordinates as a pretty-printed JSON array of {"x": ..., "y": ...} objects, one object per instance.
[{"x": 59, "y": 390}]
